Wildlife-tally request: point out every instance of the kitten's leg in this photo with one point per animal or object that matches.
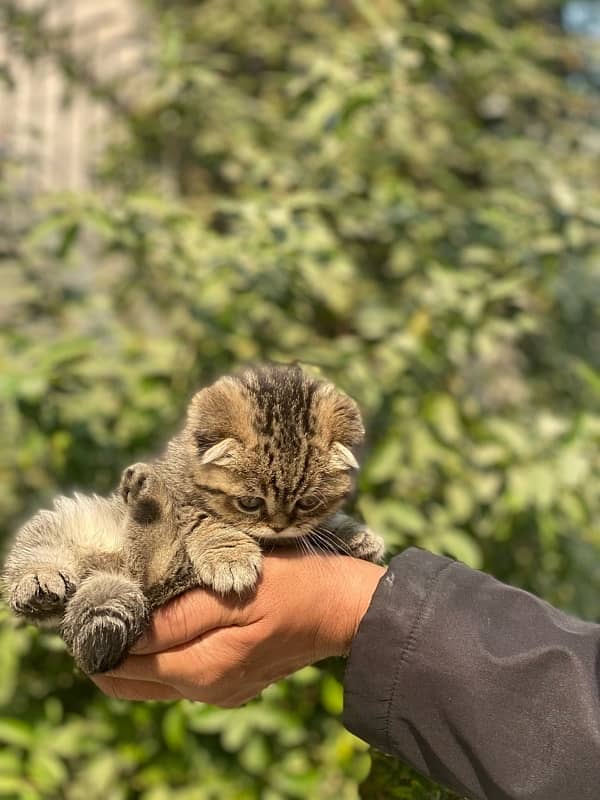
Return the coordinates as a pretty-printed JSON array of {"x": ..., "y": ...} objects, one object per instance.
[
  {"x": 38, "y": 583},
  {"x": 156, "y": 555},
  {"x": 224, "y": 559},
  {"x": 177, "y": 553},
  {"x": 350, "y": 537},
  {"x": 154, "y": 551},
  {"x": 145, "y": 494},
  {"x": 105, "y": 616}
]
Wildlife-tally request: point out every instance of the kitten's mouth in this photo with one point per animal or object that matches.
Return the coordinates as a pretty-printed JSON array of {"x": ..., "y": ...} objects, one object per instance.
[
  {"x": 281, "y": 537},
  {"x": 286, "y": 533}
]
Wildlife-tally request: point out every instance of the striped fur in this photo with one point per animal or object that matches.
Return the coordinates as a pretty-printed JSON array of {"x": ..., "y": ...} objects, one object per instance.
[{"x": 264, "y": 456}]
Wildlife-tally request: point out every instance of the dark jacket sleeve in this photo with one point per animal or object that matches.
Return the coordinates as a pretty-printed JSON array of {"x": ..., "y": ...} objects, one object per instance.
[{"x": 481, "y": 686}]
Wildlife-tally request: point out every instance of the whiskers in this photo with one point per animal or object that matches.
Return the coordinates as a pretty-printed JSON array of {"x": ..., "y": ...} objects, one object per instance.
[
  {"x": 320, "y": 542},
  {"x": 314, "y": 543},
  {"x": 329, "y": 538},
  {"x": 314, "y": 550}
]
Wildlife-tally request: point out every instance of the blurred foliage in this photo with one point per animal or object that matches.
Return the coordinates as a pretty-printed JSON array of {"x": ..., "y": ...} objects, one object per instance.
[
  {"x": 404, "y": 194},
  {"x": 391, "y": 780}
]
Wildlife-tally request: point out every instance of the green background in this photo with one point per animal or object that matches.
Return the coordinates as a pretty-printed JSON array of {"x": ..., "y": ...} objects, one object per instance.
[{"x": 402, "y": 194}]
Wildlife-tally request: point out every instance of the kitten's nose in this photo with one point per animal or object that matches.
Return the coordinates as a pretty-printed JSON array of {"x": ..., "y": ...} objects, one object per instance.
[{"x": 278, "y": 522}]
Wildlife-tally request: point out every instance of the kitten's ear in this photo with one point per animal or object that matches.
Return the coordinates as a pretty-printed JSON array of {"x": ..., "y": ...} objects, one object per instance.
[
  {"x": 220, "y": 454},
  {"x": 339, "y": 418},
  {"x": 342, "y": 458},
  {"x": 218, "y": 413},
  {"x": 214, "y": 404}
]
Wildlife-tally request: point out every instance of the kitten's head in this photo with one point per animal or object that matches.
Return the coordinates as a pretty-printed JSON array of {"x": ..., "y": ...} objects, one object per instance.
[{"x": 271, "y": 450}]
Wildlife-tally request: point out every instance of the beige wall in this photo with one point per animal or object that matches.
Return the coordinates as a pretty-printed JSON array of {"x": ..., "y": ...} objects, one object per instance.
[{"x": 57, "y": 133}]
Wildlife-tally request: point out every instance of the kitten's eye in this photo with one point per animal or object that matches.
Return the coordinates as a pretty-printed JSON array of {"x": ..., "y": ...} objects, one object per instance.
[
  {"x": 249, "y": 503},
  {"x": 308, "y": 503}
]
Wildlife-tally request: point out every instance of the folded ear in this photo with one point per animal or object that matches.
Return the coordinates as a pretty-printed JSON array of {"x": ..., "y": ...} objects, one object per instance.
[
  {"x": 338, "y": 417},
  {"x": 342, "y": 458},
  {"x": 220, "y": 413},
  {"x": 221, "y": 453}
]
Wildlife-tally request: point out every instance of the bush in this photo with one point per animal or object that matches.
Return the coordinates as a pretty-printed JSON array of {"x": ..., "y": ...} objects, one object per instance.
[{"x": 397, "y": 193}]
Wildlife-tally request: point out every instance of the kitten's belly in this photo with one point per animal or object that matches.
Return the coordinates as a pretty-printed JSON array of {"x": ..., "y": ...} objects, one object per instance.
[
  {"x": 93, "y": 524},
  {"x": 164, "y": 563},
  {"x": 103, "y": 540}
]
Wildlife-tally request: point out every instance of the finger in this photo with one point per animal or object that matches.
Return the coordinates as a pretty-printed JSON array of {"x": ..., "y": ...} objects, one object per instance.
[
  {"x": 188, "y": 617},
  {"x": 202, "y": 662},
  {"x": 122, "y": 689},
  {"x": 135, "y": 690},
  {"x": 185, "y": 662},
  {"x": 154, "y": 668}
]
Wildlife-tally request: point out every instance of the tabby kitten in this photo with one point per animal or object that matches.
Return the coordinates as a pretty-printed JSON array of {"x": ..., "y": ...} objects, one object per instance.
[{"x": 265, "y": 458}]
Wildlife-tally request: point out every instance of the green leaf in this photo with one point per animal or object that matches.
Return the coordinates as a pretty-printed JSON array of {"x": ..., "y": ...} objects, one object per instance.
[
  {"x": 332, "y": 695},
  {"x": 174, "y": 728},
  {"x": 15, "y": 732},
  {"x": 459, "y": 545}
]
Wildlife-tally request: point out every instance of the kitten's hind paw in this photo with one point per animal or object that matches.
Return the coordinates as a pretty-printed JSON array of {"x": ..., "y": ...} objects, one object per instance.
[
  {"x": 42, "y": 593},
  {"x": 102, "y": 643},
  {"x": 103, "y": 620},
  {"x": 141, "y": 490}
]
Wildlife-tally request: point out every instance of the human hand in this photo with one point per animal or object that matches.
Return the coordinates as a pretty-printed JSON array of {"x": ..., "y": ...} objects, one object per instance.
[{"x": 223, "y": 651}]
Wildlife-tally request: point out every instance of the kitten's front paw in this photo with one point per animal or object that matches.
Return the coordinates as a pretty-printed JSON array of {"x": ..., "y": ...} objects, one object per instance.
[
  {"x": 42, "y": 592},
  {"x": 140, "y": 489},
  {"x": 230, "y": 569},
  {"x": 367, "y": 545},
  {"x": 350, "y": 538}
]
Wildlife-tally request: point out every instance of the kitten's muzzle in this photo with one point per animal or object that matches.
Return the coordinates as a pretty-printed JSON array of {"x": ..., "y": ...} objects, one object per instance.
[{"x": 276, "y": 533}]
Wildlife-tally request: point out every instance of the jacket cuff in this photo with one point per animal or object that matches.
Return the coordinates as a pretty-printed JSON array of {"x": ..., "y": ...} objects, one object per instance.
[{"x": 391, "y": 625}]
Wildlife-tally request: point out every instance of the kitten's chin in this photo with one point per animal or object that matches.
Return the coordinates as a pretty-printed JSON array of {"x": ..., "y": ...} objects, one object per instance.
[{"x": 268, "y": 534}]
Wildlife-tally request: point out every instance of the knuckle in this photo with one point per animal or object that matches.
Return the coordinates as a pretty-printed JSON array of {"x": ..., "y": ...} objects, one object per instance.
[
  {"x": 174, "y": 620},
  {"x": 111, "y": 687},
  {"x": 230, "y": 703}
]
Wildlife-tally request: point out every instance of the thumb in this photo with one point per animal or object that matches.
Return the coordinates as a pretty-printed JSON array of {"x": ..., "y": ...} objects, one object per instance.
[{"x": 189, "y": 616}]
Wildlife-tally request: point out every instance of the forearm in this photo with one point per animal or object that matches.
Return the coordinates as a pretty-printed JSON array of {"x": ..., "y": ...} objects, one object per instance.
[{"x": 479, "y": 685}]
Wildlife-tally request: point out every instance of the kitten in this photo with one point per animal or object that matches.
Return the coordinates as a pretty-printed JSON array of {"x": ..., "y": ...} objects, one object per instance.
[{"x": 265, "y": 458}]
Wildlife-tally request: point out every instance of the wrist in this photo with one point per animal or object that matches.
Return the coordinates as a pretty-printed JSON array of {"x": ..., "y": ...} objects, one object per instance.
[{"x": 353, "y": 593}]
